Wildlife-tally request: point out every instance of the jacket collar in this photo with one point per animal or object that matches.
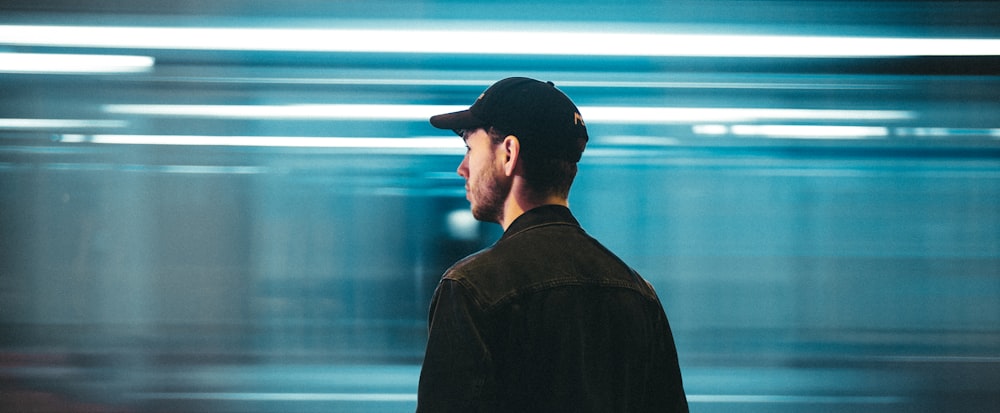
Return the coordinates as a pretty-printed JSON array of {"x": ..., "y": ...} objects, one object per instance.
[{"x": 543, "y": 215}]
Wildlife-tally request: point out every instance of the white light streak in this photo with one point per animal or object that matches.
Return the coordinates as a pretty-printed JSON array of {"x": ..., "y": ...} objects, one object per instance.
[
  {"x": 948, "y": 132},
  {"x": 449, "y": 144},
  {"x": 72, "y": 63},
  {"x": 623, "y": 140},
  {"x": 793, "y": 399},
  {"x": 48, "y": 124},
  {"x": 710, "y": 129},
  {"x": 294, "y": 111},
  {"x": 687, "y": 115},
  {"x": 810, "y": 131},
  {"x": 605, "y": 114},
  {"x": 302, "y": 397},
  {"x": 576, "y": 43},
  {"x": 412, "y": 397}
]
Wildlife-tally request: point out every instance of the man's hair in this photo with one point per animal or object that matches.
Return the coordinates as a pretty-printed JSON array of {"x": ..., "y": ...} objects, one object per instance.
[{"x": 544, "y": 176}]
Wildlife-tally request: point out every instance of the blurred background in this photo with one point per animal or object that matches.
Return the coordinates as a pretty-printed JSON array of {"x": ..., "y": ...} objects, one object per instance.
[{"x": 239, "y": 206}]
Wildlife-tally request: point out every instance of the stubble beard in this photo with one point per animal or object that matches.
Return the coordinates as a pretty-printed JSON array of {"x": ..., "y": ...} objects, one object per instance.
[{"x": 488, "y": 196}]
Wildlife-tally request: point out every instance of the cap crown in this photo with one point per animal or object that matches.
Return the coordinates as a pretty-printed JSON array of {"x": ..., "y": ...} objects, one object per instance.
[{"x": 545, "y": 121}]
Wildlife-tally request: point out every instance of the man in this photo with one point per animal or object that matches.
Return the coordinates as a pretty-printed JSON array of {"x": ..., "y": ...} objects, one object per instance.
[{"x": 546, "y": 319}]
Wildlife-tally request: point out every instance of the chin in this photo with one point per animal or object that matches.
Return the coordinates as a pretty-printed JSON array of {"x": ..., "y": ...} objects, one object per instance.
[{"x": 485, "y": 216}]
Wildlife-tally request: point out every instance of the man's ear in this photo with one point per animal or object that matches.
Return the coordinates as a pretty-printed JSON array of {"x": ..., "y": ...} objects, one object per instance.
[{"x": 512, "y": 150}]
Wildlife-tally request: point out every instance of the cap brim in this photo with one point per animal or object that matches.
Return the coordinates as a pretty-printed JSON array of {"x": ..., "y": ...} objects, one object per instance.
[{"x": 456, "y": 121}]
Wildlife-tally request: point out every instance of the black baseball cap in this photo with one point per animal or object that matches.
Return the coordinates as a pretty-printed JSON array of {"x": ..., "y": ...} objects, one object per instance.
[{"x": 545, "y": 121}]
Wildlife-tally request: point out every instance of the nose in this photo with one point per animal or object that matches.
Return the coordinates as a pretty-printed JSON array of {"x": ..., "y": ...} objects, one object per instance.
[{"x": 463, "y": 168}]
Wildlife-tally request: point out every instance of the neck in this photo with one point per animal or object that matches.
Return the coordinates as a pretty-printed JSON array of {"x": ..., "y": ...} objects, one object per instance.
[{"x": 518, "y": 202}]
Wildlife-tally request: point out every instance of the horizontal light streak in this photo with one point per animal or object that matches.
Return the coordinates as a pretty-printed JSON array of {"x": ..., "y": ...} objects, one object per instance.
[
  {"x": 948, "y": 132},
  {"x": 793, "y": 399},
  {"x": 73, "y": 63},
  {"x": 810, "y": 131},
  {"x": 623, "y": 140},
  {"x": 605, "y": 114},
  {"x": 167, "y": 169},
  {"x": 294, "y": 111},
  {"x": 429, "y": 79},
  {"x": 306, "y": 397},
  {"x": 412, "y": 397},
  {"x": 575, "y": 43},
  {"x": 48, "y": 124},
  {"x": 685, "y": 115},
  {"x": 444, "y": 143},
  {"x": 841, "y": 132}
]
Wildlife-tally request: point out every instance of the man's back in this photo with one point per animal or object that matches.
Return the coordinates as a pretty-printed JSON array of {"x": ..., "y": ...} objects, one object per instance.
[{"x": 548, "y": 320}]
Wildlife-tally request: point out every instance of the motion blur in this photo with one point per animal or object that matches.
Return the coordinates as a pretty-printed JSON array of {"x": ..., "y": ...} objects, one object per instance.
[{"x": 215, "y": 206}]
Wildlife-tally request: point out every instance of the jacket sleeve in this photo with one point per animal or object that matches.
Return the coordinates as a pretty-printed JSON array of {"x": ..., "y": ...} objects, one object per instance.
[{"x": 456, "y": 362}]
